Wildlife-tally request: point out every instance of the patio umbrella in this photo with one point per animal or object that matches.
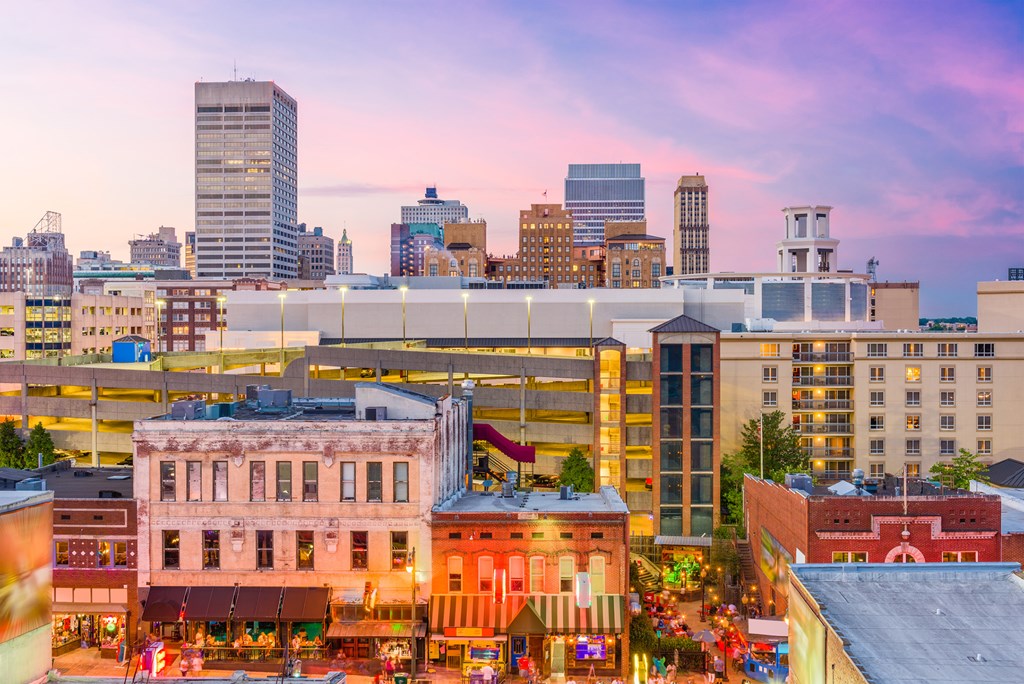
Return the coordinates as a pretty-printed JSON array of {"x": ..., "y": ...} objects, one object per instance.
[{"x": 704, "y": 637}]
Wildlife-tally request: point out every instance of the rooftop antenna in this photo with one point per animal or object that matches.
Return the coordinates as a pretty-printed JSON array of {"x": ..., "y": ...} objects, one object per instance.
[{"x": 235, "y": 64}]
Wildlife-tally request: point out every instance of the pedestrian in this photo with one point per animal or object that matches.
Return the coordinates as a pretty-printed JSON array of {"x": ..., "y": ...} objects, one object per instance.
[
  {"x": 183, "y": 665},
  {"x": 389, "y": 669},
  {"x": 719, "y": 669},
  {"x": 488, "y": 672}
]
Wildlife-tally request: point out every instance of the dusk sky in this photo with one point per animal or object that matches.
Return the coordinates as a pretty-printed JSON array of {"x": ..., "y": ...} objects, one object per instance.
[{"x": 907, "y": 117}]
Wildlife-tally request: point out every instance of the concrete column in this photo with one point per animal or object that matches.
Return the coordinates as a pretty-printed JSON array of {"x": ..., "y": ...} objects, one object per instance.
[
  {"x": 522, "y": 405},
  {"x": 94, "y": 437},
  {"x": 451, "y": 378},
  {"x": 24, "y": 401}
]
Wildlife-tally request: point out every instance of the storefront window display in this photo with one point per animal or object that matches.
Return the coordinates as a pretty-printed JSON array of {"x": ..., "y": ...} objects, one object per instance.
[
  {"x": 576, "y": 653},
  {"x": 71, "y": 631}
]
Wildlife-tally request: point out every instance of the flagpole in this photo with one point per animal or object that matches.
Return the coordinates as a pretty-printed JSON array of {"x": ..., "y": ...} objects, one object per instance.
[{"x": 760, "y": 438}]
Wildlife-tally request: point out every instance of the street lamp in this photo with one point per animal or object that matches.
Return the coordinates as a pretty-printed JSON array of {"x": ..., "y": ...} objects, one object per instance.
[
  {"x": 160, "y": 304},
  {"x": 403, "y": 289},
  {"x": 703, "y": 577},
  {"x": 344, "y": 291},
  {"x": 529, "y": 300},
  {"x": 591, "y": 303},
  {"x": 410, "y": 567},
  {"x": 465, "y": 319},
  {"x": 281, "y": 297},
  {"x": 220, "y": 326}
]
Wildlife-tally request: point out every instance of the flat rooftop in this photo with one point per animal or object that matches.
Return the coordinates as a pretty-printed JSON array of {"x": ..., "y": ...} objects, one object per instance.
[
  {"x": 926, "y": 622},
  {"x": 88, "y": 483},
  {"x": 12, "y": 501},
  {"x": 605, "y": 501}
]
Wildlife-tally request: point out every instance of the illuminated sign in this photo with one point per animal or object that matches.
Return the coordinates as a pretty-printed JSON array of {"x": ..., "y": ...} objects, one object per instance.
[{"x": 469, "y": 631}]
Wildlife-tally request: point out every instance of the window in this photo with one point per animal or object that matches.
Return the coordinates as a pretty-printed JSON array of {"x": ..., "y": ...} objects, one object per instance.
[
  {"x": 401, "y": 486},
  {"x": 913, "y": 374},
  {"x": 264, "y": 549},
  {"x": 399, "y": 550},
  {"x": 284, "y": 481},
  {"x": 304, "y": 549},
  {"x": 172, "y": 549},
  {"x": 348, "y": 481},
  {"x": 984, "y": 447},
  {"x": 876, "y": 469},
  {"x": 167, "y": 481},
  {"x": 947, "y": 447},
  {"x": 516, "y": 574},
  {"x": 913, "y": 447},
  {"x": 770, "y": 350},
  {"x": 877, "y": 398},
  {"x": 913, "y": 421},
  {"x": 258, "y": 481},
  {"x": 876, "y": 422},
  {"x": 876, "y": 374},
  {"x": 485, "y": 574},
  {"x": 103, "y": 554},
  {"x": 984, "y": 397},
  {"x": 959, "y": 556},
  {"x": 769, "y": 374},
  {"x": 913, "y": 349},
  {"x": 913, "y": 469},
  {"x": 877, "y": 447},
  {"x": 566, "y": 574},
  {"x": 360, "y": 550},
  {"x": 984, "y": 349},
  {"x": 597, "y": 583},
  {"x": 121, "y": 554},
  {"x": 769, "y": 398},
  {"x": 849, "y": 557},
  {"x": 537, "y": 575},
  {"x": 984, "y": 373},
  {"x": 947, "y": 373},
  {"x": 947, "y": 422},
  {"x": 984, "y": 422},
  {"x": 913, "y": 398},
  {"x": 211, "y": 549},
  {"x": 454, "y": 574},
  {"x": 61, "y": 554},
  {"x": 947, "y": 398},
  {"x": 194, "y": 481},
  {"x": 220, "y": 480},
  {"x": 947, "y": 349},
  {"x": 878, "y": 349},
  {"x": 310, "y": 485},
  {"x": 374, "y": 483}
]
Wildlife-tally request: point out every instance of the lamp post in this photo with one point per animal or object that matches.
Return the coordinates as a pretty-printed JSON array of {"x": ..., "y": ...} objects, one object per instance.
[
  {"x": 529, "y": 322},
  {"x": 591, "y": 303},
  {"x": 703, "y": 577},
  {"x": 403, "y": 290},
  {"x": 220, "y": 326},
  {"x": 465, "y": 319},
  {"x": 281, "y": 297},
  {"x": 344, "y": 291},
  {"x": 410, "y": 567},
  {"x": 160, "y": 304}
]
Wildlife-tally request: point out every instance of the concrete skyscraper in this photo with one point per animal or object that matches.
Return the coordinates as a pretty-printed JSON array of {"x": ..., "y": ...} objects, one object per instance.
[
  {"x": 690, "y": 229},
  {"x": 246, "y": 178},
  {"x": 345, "y": 254},
  {"x": 432, "y": 209},
  {"x": 596, "y": 193}
]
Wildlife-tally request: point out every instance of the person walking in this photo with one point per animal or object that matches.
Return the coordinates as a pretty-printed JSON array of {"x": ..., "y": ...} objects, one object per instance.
[{"x": 719, "y": 669}]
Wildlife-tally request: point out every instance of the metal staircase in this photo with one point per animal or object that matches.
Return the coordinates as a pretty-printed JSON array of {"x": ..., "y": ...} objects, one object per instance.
[{"x": 747, "y": 571}]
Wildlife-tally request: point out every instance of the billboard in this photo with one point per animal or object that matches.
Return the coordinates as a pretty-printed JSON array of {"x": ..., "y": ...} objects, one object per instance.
[
  {"x": 26, "y": 573},
  {"x": 806, "y": 642},
  {"x": 775, "y": 562}
]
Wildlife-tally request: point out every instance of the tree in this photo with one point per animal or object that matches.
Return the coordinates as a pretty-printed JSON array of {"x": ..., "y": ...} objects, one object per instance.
[
  {"x": 642, "y": 639},
  {"x": 576, "y": 471},
  {"x": 782, "y": 454},
  {"x": 39, "y": 442},
  {"x": 964, "y": 468},
  {"x": 11, "y": 447}
]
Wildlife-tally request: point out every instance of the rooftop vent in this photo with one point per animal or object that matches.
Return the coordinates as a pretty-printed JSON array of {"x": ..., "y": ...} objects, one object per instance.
[
  {"x": 566, "y": 493},
  {"x": 191, "y": 409},
  {"x": 376, "y": 413},
  {"x": 273, "y": 398}
]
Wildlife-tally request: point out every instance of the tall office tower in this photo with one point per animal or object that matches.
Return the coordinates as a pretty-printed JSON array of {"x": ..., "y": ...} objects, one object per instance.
[
  {"x": 246, "y": 176},
  {"x": 39, "y": 264},
  {"x": 159, "y": 249},
  {"x": 596, "y": 193},
  {"x": 190, "y": 252},
  {"x": 690, "y": 230},
  {"x": 432, "y": 209},
  {"x": 344, "y": 254},
  {"x": 316, "y": 253}
]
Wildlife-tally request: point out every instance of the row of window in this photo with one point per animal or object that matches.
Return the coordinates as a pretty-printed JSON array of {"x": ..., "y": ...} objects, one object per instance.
[
  {"x": 946, "y": 398},
  {"x": 109, "y": 554},
  {"x": 283, "y": 481},
  {"x": 943, "y": 350},
  {"x": 912, "y": 421},
  {"x": 862, "y": 557},
  {"x": 517, "y": 574},
  {"x": 912, "y": 447},
  {"x": 770, "y": 374}
]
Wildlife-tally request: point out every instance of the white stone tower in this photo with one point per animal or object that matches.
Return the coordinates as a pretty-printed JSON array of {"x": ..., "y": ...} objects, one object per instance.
[{"x": 808, "y": 247}]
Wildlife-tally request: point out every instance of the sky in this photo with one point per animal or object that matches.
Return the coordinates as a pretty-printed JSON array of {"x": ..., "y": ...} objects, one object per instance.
[{"x": 907, "y": 117}]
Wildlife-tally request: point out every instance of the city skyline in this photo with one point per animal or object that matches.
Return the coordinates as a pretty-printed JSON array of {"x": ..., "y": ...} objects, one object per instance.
[{"x": 916, "y": 148}]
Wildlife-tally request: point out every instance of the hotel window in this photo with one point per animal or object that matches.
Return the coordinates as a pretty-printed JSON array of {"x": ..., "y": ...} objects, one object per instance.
[
  {"x": 194, "y": 481},
  {"x": 284, "y": 481},
  {"x": 454, "y": 574},
  {"x": 304, "y": 549},
  {"x": 913, "y": 398},
  {"x": 769, "y": 374},
  {"x": 769, "y": 398},
  {"x": 913, "y": 374},
  {"x": 537, "y": 575},
  {"x": 220, "y": 480},
  {"x": 258, "y": 481},
  {"x": 348, "y": 481},
  {"x": 878, "y": 349},
  {"x": 984, "y": 349},
  {"x": 913, "y": 468},
  {"x": 399, "y": 550},
  {"x": 876, "y": 469},
  {"x": 211, "y": 549},
  {"x": 947, "y": 374},
  {"x": 877, "y": 398},
  {"x": 984, "y": 373},
  {"x": 984, "y": 397},
  {"x": 947, "y": 422},
  {"x": 876, "y": 422},
  {"x": 264, "y": 549},
  {"x": 172, "y": 549},
  {"x": 566, "y": 574},
  {"x": 597, "y": 583},
  {"x": 913, "y": 422},
  {"x": 401, "y": 484},
  {"x": 516, "y": 574},
  {"x": 309, "y": 481},
  {"x": 876, "y": 447},
  {"x": 374, "y": 482},
  {"x": 947, "y": 398},
  {"x": 947, "y": 447},
  {"x": 876, "y": 374},
  {"x": 849, "y": 557},
  {"x": 947, "y": 349},
  {"x": 913, "y": 447},
  {"x": 984, "y": 422},
  {"x": 485, "y": 574},
  {"x": 913, "y": 349},
  {"x": 61, "y": 554},
  {"x": 167, "y": 481},
  {"x": 984, "y": 447},
  {"x": 360, "y": 550},
  {"x": 103, "y": 554},
  {"x": 770, "y": 350}
]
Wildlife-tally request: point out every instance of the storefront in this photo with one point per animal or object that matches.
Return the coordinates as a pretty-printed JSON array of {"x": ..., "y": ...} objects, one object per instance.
[
  {"x": 568, "y": 640},
  {"x": 680, "y": 560},
  {"x": 207, "y": 612},
  {"x": 303, "y": 611},
  {"x": 163, "y": 611},
  {"x": 470, "y": 631},
  {"x": 254, "y": 623},
  {"x": 88, "y": 625}
]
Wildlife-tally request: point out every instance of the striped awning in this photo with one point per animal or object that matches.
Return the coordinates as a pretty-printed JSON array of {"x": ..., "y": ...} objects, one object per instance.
[
  {"x": 606, "y": 614},
  {"x": 472, "y": 610}
]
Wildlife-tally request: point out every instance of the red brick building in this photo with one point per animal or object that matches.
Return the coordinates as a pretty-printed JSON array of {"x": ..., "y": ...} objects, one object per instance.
[
  {"x": 531, "y": 575},
  {"x": 789, "y": 525}
]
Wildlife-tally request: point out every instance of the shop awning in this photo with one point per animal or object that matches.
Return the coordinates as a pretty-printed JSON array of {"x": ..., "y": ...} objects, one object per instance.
[
  {"x": 89, "y": 608},
  {"x": 257, "y": 603},
  {"x": 209, "y": 603},
  {"x": 305, "y": 604},
  {"x": 606, "y": 614},
  {"x": 670, "y": 540},
  {"x": 164, "y": 604},
  {"x": 452, "y": 611},
  {"x": 371, "y": 630}
]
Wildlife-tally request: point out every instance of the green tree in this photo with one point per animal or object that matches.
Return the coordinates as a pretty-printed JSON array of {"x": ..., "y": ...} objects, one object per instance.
[
  {"x": 39, "y": 442},
  {"x": 782, "y": 454},
  {"x": 576, "y": 471},
  {"x": 642, "y": 638},
  {"x": 12, "y": 449},
  {"x": 964, "y": 468}
]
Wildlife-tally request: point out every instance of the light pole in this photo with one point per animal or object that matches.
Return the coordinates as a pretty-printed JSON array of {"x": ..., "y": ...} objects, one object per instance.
[
  {"x": 220, "y": 327},
  {"x": 281, "y": 297},
  {"x": 160, "y": 304},
  {"x": 703, "y": 577},
  {"x": 344, "y": 291},
  {"x": 410, "y": 567},
  {"x": 465, "y": 319},
  {"x": 403, "y": 289},
  {"x": 591, "y": 303},
  {"x": 529, "y": 324}
]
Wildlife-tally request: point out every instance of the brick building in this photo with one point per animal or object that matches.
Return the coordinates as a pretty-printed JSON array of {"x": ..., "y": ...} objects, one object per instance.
[
  {"x": 633, "y": 258},
  {"x": 789, "y": 525},
  {"x": 531, "y": 573}
]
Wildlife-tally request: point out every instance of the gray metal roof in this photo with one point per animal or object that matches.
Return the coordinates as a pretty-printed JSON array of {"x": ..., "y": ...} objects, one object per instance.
[
  {"x": 683, "y": 324},
  {"x": 457, "y": 342},
  {"x": 923, "y": 622},
  {"x": 1007, "y": 473},
  {"x": 670, "y": 540}
]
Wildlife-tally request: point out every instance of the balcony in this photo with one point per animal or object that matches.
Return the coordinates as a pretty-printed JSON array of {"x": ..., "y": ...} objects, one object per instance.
[
  {"x": 827, "y": 477},
  {"x": 823, "y": 381},
  {"x": 823, "y": 357},
  {"x": 831, "y": 428},
  {"x": 822, "y": 405},
  {"x": 830, "y": 453}
]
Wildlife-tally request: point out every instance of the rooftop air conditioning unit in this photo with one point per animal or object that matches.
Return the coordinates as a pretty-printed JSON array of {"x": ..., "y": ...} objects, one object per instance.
[{"x": 376, "y": 413}]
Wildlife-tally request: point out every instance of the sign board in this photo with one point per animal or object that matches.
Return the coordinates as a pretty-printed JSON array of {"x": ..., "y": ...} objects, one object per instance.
[{"x": 469, "y": 631}]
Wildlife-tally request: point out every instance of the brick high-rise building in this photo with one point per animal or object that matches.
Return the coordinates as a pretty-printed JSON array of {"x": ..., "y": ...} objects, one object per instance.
[
  {"x": 159, "y": 249},
  {"x": 316, "y": 253},
  {"x": 545, "y": 243},
  {"x": 691, "y": 229},
  {"x": 633, "y": 258}
]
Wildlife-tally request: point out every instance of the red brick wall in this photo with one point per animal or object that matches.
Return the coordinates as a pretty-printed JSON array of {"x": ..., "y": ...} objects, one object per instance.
[
  {"x": 1013, "y": 548},
  {"x": 784, "y": 513}
]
